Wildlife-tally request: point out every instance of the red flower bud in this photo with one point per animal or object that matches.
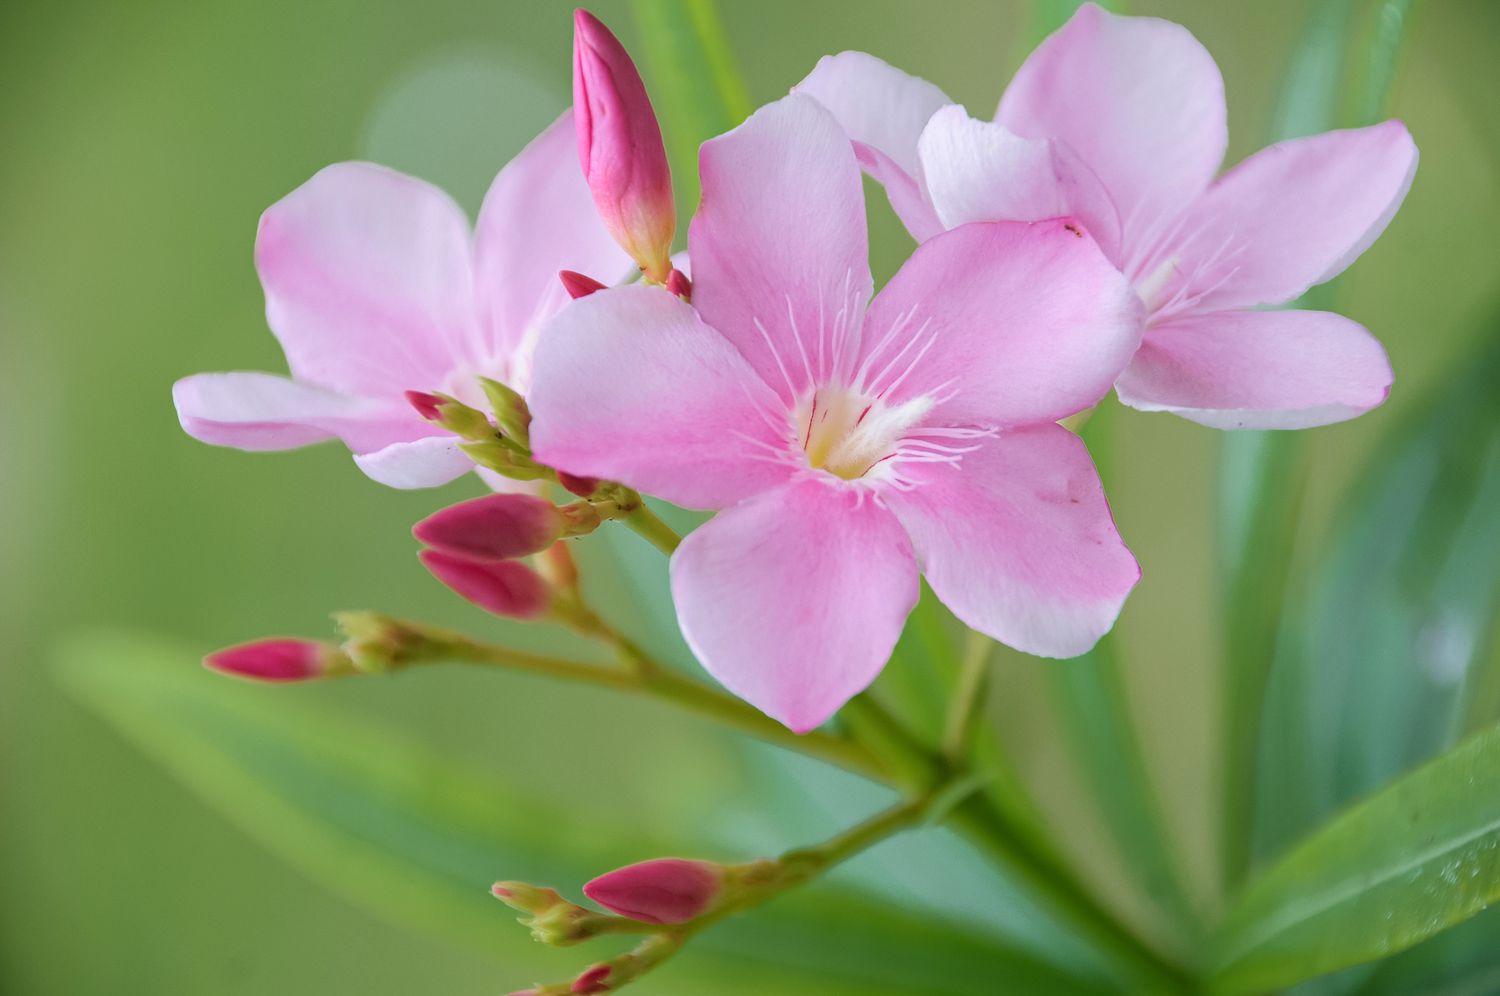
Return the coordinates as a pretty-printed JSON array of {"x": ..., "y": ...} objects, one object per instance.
[
  {"x": 580, "y": 486},
  {"x": 593, "y": 980},
  {"x": 577, "y": 285},
  {"x": 276, "y": 659},
  {"x": 495, "y": 527},
  {"x": 620, "y": 147},
  {"x": 506, "y": 587},
  {"x": 664, "y": 890},
  {"x": 679, "y": 284},
  {"x": 427, "y": 405}
]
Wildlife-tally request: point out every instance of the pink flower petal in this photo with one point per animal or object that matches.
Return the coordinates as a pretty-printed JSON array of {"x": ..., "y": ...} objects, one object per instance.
[
  {"x": 1139, "y": 100},
  {"x": 538, "y": 219},
  {"x": 779, "y": 243},
  {"x": 421, "y": 463},
  {"x": 883, "y": 110},
  {"x": 982, "y": 171},
  {"x": 794, "y": 599},
  {"x": 1018, "y": 541},
  {"x": 261, "y": 411},
  {"x": 1294, "y": 215},
  {"x": 1011, "y": 323},
  {"x": 631, "y": 386},
  {"x": 1258, "y": 370},
  {"x": 367, "y": 281}
]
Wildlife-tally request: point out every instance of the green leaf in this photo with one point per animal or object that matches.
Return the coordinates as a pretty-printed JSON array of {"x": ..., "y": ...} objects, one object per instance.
[
  {"x": 1262, "y": 473},
  {"x": 418, "y": 838},
  {"x": 1388, "y": 663},
  {"x": 696, "y": 87},
  {"x": 1420, "y": 856}
]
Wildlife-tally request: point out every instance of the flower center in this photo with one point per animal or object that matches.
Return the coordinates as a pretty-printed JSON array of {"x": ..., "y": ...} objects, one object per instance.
[
  {"x": 1152, "y": 287},
  {"x": 848, "y": 434}
]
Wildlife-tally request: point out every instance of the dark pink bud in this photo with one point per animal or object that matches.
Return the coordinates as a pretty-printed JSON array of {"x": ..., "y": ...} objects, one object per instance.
[
  {"x": 505, "y": 587},
  {"x": 276, "y": 659},
  {"x": 577, "y": 285},
  {"x": 580, "y": 486},
  {"x": 495, "y": 527},
  {"x": 427, "y": 405},
  {"x": 620, "y": 147},
  {"x": 593, "y": 980},
  {"x": 664, "y": 890},
  {"x": 679, "y": 284}
]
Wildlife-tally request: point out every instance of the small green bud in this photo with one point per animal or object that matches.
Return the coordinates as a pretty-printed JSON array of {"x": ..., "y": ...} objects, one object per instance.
[
  {"x": 511, "y": 413},
  {"x": 505, "y": 460}
]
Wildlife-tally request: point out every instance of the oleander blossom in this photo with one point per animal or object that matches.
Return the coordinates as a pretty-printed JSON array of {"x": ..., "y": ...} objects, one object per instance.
[
  {"x": 374, "y": 286},
  {"x": 849, "y": 441},
  {"x": 1120, "y": 122}
]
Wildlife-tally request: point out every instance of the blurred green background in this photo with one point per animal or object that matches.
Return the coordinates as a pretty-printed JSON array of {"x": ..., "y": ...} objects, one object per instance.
[{"x": 140, "y": 143}]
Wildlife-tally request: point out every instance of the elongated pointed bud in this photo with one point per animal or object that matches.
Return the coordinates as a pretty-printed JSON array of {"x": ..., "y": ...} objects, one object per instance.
[
  {"x": 507, "y": 587},
  {"x": 495, "y": 527},
  {"x": 511, "y": 412},
  {"x": 452, "y": 414},
  {"x": 577, "y": 285},
  {"x": 620, "y": 147},
  {"x": 664, "y": 890},
  {"x": 580, "y": 486},
  {"x": 679, "y": 284},
  {"x": 593, "y": 980},
  {"x": 280, "y": 659}
]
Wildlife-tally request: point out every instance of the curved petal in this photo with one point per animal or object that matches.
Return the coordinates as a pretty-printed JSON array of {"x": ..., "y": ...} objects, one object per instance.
[
  {"x": 1258, "y": 370},
  {"x": 1139, "y": 99},
  {"x": 1018, "y": 541},
  {"x": 883, "y": 110},
  {"x": 421, "y": 463},
  {"x": 366, "y": 274},
  {"x": 982, "y": 171},
  {"x": 538, "y": 218},
  {"x": 631, "y": 386},
  {"x": 794, "y": 599},
  {"x": 1294, "y": 215},
  {"x": 261, "y": 411},
  {"x": 1002, "y": 324},
  {"x": 779, "y": 245}
]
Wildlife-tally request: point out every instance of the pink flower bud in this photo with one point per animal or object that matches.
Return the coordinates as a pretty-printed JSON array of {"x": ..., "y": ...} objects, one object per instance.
[
  {"x": 679, "y": 284},
  {"x": 664, "y": 890},
  {"x": 620, "y": 147},
  {"x": 276, "y": 659},
  {"x": 427, "y": 405},
  {"x": 495, "y": 527},
  {"x": 577, "y": 285},
  {"x": 593, "y": 980},
  {"x": 580, "y": 486},
  {"x": 506, "y": 587}
]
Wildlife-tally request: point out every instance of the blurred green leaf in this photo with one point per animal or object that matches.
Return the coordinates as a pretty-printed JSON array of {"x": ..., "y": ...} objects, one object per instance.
[
  {"x": 1262, "y": 473},
  {"x": 418, "y": 838},
  {"x": 1464, "y": 961},
  {"x": 1387, "y": 663},
  {"x": 696, "y": 87},
  {"x": 1416, "y": 858}
]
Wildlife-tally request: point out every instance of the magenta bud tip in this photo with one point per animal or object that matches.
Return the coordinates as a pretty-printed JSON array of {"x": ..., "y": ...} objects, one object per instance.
[
  {"x": 506, "y": 587},
  {"x": 679, "y": 284},
  {"x": 593, "y": 980},
  {"x": 427, "y": 405},
  {"x": 663, "y": 890},
  {"x": 577, "y": 284},
  {"x": 276, "y": 659},
  {"x": 494, "y": 527},
  {"x": 580, "y": 486}
]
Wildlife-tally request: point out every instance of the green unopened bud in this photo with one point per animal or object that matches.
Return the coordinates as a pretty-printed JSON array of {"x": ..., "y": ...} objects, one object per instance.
[
  {"x": 377, "y": 643},
  {"x": 511, "y": 413},
  {"x": 450, "y": 413},
  {"x": 505, "y": 460},
  {"x": 553, "y": 919}
]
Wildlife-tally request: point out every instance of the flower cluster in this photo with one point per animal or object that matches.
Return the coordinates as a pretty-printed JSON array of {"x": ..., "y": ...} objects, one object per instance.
[{"x": 849, "y": 441}]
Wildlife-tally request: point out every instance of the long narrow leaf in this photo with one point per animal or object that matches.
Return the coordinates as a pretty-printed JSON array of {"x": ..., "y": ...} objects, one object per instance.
[
  {"x": 1418, "y": 857},
  {"x": 411, "y": 835}
]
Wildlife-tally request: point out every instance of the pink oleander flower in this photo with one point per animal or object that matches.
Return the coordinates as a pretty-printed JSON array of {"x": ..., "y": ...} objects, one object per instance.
[
  {"x": 374, "y": 286},
  {"x": 662, "y": 890},
  {"x": 620, "y": 147},
  {"x": 1120, "y": 122},
  {"x": 849, "y": 441}
]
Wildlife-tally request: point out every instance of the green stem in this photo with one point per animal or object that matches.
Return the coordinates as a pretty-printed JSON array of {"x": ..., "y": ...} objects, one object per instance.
[
  {"x": 653, "y": 529},
  {"x": 379, "y": 643},
  {"x": 968, "y": 698}
]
